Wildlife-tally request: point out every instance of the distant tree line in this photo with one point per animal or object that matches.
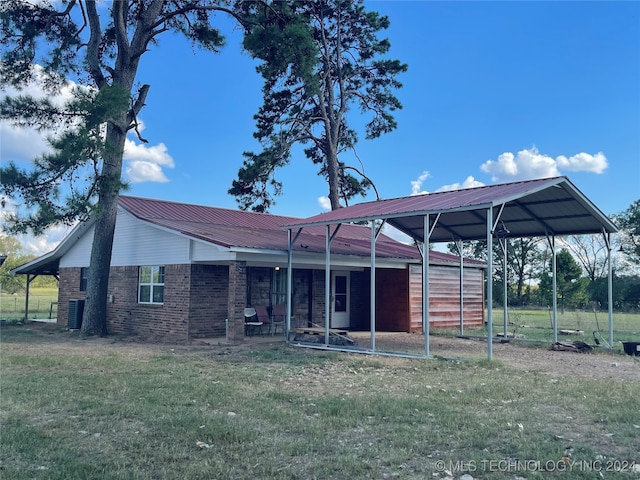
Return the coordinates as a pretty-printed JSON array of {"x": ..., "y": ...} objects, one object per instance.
[
  {"x": 581, "y": 264},
  {"x": 15, "y": 256}
]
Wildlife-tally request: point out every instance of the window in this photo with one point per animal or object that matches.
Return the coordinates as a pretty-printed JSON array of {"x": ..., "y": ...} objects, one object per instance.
[
  {"x": 84, "y": 276},
  {"x": 151, "y": 285},
  {"x": 279, "y": 286},
  {"x": 340, "y": 294}
]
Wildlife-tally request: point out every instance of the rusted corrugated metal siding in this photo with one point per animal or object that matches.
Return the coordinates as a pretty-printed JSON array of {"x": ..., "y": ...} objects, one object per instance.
[{"x": 444, "y": 297}]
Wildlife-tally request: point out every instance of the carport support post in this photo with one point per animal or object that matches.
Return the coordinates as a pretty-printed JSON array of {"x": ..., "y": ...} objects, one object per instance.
[
  {"x": 554, "y": 267},
  {"x": 459, "y": 245},
  {"x": 287, "y": 325},
  {"x": 505, "y": 315},
  {"x": 610, "y": 289},
  {"x": 373, "y": 286},
  {"x": 489, "y": 283},
  {"x": 425, "y": 284},
  {"x": 327, "y": 284}
]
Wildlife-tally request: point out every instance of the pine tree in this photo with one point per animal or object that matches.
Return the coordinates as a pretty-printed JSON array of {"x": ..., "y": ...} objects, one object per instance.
[{"x": 307, "y": 101}]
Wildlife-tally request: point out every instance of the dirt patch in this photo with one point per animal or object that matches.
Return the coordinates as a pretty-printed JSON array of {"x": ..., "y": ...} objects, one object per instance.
[
  {"x": 598, "y": 364},
  {"x": 53, "y": 339}
]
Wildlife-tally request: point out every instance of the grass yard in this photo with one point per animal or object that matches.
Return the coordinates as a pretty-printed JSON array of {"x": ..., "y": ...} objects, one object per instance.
[
  {"x": 536, "y": 325},
  {"x": 75, "y": 408}
]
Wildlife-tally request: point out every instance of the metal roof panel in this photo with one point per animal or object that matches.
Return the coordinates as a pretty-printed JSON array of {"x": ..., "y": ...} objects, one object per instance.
[{"x": 550, "y": 206}]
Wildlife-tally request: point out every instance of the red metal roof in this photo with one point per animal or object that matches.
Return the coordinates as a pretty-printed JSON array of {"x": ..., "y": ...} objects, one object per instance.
[
  {"x": 241, "y": 229},
  {"x": 550, "y": 206}
]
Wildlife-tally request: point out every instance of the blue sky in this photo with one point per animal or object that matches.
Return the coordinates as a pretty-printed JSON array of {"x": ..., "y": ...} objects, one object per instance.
[{"x": 495, "y": 92}]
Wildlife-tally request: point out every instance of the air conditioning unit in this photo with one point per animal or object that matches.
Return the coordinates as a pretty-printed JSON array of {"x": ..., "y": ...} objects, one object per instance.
[{"x": 76, "y": 307}]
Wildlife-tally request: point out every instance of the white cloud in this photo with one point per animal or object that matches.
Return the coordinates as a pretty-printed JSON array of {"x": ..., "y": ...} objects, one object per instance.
[
  {"x": 416, "y": 185},
  {"x": 157, "y": 154},
  {"x": 144, "y": 163},
  {"x": 46, "y": 242},
  {"x": 324, "y": 203},
  {"x": 583, "y": 162},
  {"x": 469, "y": 182},
  {"x": 139, "y": 171},
  {"x": 530, "y": 164}
]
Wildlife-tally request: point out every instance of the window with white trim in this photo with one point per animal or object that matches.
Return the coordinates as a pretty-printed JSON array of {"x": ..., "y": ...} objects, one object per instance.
[{"x": 151, "y": 284}]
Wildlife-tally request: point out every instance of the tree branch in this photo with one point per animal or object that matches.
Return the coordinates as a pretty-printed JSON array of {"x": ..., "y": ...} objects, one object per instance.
[
  {"x": 93, "y": 47},
  {"x": 135, "y": 109}
]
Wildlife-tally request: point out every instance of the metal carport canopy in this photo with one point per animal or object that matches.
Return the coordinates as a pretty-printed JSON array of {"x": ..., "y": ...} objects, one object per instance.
[
  {"x": 546, "y": 207},
  {"x": 535, "y": 208}
]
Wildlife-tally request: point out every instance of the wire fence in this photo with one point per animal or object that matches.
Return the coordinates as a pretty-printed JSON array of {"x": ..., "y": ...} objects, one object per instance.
[{"x": 12, "y": 307}]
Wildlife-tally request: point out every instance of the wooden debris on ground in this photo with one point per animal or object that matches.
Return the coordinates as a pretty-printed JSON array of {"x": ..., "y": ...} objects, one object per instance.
[{"x": 577, "y": 347}]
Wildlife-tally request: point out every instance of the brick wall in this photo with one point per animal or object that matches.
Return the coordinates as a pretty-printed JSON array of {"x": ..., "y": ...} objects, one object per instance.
[
  {"x": 167, "y": 321},
  {"x": 198, "y": 299},
  {"x": 68, "y": 288},
  {"x": 195, "y": 304},
  {"x": 208, "y": 300},
  {"x": 237, "y": 299}
]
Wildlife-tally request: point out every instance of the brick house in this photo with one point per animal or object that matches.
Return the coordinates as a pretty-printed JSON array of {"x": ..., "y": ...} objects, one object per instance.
[{"x": 182, "y": 271}]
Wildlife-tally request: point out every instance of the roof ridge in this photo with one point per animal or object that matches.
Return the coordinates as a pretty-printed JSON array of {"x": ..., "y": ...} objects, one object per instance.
[
  {"x": 494, "y": 185},
  {"x": 211, "y": 207}
]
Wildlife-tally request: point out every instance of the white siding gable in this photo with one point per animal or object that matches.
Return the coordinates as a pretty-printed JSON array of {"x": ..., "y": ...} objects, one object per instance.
[
  {"x": 138, "y": 243},
  {"x": 80, "y": 252}
]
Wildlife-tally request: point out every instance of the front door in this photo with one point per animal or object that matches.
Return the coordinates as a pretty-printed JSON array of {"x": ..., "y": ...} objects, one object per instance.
[{"x": 340, "y": 300}]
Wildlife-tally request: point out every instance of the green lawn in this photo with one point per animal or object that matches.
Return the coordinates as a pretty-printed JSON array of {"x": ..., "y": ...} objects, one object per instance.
[
  {"x": 536, "y": 325},
  {"x": 75, "y": 408}
]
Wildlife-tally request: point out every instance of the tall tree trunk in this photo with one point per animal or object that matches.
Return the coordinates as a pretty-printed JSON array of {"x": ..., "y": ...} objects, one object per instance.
[
  {"x": 95, "y": 313},
  {"x": 334, "y": 179},
  {"x": 94, "y": 320}
]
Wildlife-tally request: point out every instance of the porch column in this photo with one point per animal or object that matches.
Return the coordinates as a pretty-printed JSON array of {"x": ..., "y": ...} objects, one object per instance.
[
  {"x": 26, "y": 299},
  {"x": 237, "y": 300}
]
